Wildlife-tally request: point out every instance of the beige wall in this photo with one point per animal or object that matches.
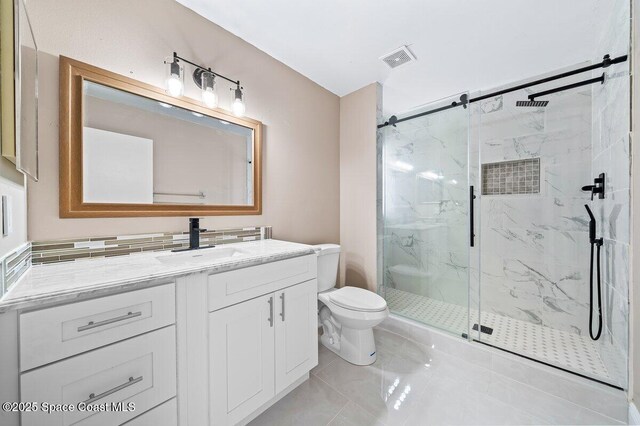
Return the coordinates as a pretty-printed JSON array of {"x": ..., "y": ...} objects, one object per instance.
[
  {"x": 301, "y": 155},
  {"x": 358, "y": 112}
]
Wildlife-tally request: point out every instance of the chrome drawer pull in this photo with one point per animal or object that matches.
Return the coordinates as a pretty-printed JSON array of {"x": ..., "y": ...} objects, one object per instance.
[
  {"x": 93, "y": 397},
  {"x": 270, "y": 301},
  {"x": 109, "y": 321},
  {"x": 282, "y": 313}
]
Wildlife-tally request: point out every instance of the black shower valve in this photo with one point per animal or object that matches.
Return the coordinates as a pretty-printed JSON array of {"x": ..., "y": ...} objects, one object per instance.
[{"x": 597, "y": 187}]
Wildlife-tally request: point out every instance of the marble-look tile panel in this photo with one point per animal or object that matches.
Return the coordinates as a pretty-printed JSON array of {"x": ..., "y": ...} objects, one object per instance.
[
  {"x": 616, "y": 315},
  {"x": 613, "y": 213},
  {"x": 615, "y": 264},
  {"x": 533, "y": 213}
]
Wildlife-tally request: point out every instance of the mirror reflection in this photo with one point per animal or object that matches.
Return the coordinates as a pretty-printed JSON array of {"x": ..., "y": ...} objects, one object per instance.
[{"x": 137, "y": 150}]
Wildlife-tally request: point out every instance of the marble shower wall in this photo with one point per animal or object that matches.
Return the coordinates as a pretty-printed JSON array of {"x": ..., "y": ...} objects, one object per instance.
[
  {"x": 611, "y": 155},
  {"x": 534, "y": 248},
  {"x": 425, "y": 173}
]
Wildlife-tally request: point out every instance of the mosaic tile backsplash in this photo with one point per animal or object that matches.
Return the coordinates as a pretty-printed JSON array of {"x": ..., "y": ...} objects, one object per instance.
[
  {"x": 511, "y": 177},
  {"x": 13, "y": 265},
  {"x": 80, "y": 248}
]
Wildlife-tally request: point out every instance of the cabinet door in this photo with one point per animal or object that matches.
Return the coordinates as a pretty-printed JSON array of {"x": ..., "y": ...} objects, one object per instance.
[
  {"x": 296, "y": 332},
  {"x": 241, "y": 364}
]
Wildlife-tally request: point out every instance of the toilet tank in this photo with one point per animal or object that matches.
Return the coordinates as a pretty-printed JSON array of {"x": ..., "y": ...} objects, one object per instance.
[{"x": 328, "y": 257}]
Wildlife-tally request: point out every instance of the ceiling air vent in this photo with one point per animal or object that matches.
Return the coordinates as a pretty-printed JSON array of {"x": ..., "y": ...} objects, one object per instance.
[{"x": 400, "y": 56}]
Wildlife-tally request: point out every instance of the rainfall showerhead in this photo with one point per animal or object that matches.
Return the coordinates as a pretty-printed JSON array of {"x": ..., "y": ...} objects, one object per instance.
[{"x": 532, "y": 103}]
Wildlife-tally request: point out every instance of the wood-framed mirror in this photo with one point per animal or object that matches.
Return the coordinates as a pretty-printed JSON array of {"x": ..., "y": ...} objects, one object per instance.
[{"x": 129, "y": 149}]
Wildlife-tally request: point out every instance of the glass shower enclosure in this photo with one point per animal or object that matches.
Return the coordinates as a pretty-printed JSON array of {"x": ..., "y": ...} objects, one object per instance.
[{"x": 485, "y": 233}]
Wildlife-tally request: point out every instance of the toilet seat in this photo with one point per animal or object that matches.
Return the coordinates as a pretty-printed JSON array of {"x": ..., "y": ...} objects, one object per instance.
[{"x": 357, "y": 299}]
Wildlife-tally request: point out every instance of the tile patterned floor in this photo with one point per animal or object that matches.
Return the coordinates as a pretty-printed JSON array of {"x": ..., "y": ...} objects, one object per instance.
[
  {"x": 411, "y": 384},
  {"x": 556, "y": 347}
]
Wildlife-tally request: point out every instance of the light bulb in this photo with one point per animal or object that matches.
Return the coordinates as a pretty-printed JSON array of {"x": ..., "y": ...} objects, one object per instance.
[
  {"x": 174, "y": 83},
  {"x": 210, "y": 98},
  {"x": 208, "y": 84},
  {"x": 238, "y": 107}
]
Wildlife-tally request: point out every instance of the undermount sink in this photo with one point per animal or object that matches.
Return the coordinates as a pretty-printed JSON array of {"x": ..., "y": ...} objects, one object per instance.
[{"x": 203, "y": 255}]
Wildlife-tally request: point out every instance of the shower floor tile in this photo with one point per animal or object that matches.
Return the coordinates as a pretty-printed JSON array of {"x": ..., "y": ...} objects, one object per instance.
[{"x": 560, "y": 348}]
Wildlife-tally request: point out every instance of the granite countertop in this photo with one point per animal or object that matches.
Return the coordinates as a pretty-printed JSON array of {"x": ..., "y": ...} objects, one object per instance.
[{"x": 60, "y": 282}]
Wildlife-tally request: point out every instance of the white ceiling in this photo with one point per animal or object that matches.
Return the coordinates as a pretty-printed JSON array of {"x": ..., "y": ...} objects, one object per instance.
[{"x": 460, "y": 44}]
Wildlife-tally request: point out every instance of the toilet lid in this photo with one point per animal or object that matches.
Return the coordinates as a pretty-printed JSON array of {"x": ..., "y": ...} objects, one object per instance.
[{"x": 358, "y": 299}]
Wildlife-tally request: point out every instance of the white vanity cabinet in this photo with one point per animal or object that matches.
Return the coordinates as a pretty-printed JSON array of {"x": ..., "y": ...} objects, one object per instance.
[
  {"x": 196, "y": 348},
  {"x": 260, "y": 347},
  {"x": 109, "y": 352},
  {"x": 262, "y": 334},
  {"x": 296, "y": 333},
  {"x": 241, "y": 359}
]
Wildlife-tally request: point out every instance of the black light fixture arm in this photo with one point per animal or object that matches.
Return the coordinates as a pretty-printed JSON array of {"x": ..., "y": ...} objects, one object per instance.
[
  {"x": 176, "y": 58},
  {"x": 464, "y": 100}
]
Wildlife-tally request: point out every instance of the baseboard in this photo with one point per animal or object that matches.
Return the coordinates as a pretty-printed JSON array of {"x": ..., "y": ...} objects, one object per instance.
[{"x": 634, "y": 415}]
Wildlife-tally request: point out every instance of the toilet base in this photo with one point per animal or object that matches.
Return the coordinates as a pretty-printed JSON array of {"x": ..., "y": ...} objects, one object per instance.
[{"x": 355, "y": 346}]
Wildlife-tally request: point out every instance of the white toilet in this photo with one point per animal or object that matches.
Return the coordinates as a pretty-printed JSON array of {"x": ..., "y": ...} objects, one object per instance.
[{"x": 347, "y": 315}]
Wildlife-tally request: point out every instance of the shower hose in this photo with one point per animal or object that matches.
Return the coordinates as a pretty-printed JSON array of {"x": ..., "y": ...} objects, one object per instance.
[{"x": 597, "y": 243}]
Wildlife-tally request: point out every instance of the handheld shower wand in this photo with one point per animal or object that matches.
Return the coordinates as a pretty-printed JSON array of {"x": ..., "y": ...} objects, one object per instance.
[{"x": 597, "y": 242}]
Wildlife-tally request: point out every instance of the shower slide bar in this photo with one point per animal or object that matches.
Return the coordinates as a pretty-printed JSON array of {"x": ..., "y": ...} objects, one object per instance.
[{"x": 464, "y": 99}]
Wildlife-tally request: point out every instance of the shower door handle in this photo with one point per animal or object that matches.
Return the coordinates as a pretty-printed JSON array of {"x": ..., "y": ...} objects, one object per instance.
[{"x": 472, "y": 235}]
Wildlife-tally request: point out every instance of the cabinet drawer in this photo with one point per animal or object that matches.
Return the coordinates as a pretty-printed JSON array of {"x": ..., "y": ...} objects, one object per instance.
[
  {"x": 141, "y": 370},
  {"x": 163, "y": 414},
  {"x": 51, "y": 334},
  {"x": 236, "y": 286}
]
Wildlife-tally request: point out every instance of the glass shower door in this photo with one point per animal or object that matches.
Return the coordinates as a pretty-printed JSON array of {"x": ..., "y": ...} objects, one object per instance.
[
  {"x": 425, "y": 180},
  {"x": 534, "y": 295}
]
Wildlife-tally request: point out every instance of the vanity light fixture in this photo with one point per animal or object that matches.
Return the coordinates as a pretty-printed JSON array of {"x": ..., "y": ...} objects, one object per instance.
[
  {"x": 238, "y": 106},
  {"x": 205, "y": 79},
  {"x": 175, "y": 77},
  {"x": 208, "y": 85}
]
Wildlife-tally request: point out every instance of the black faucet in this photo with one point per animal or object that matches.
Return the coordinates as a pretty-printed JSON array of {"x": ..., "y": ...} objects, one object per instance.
[
  {"x": 194, "y": 236},
  {"x": 194, "y": 233}
]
